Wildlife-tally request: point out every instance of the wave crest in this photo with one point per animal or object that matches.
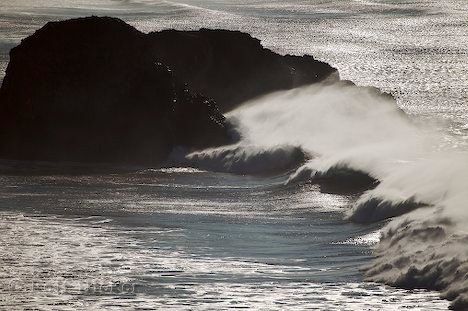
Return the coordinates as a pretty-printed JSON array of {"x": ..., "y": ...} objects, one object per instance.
[
  {"x": 373, "y": 209},
  {"x": 247, "y": 159},
  {"x": 338, "y": 179},
  {"x": 361, "y": 141}
]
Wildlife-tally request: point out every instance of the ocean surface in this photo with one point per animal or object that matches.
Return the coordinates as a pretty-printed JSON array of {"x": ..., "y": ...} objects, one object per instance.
[{"x": 212, "y": 239}]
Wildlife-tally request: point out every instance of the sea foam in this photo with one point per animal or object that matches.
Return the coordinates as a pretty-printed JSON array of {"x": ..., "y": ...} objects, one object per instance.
[{"x": 337, "y": 131}]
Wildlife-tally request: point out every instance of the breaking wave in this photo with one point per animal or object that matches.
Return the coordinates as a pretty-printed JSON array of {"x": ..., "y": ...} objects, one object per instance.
[
  {"x": 242, "y": 159},
  {"x": 354, "y": 140}
]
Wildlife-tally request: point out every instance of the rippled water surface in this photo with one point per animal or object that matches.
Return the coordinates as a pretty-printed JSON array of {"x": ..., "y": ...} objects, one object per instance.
[
  {"x": 188, "y": 239},
  {"x": 184, "y": 240}
]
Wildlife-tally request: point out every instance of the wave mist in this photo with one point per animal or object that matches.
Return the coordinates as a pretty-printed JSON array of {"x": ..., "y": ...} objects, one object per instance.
[{"x": 419, "y": 184}]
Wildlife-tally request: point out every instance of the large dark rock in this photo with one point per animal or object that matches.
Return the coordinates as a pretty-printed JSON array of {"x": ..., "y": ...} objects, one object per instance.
[
  {"x": 96, "y": 89},
  {"x": 90, "y": 90},
  {"x": 231, "y": 66}
]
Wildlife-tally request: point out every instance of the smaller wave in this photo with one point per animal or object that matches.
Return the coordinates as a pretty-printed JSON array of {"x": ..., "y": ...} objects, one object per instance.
[
  {"x": 338, "y": 179},
  {"x": 372, "y": 209},
  {"x": 245, "y": 159}
]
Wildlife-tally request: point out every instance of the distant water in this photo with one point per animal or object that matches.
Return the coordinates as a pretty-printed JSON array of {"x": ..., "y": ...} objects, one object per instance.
[{"x": 192, "y": 239}]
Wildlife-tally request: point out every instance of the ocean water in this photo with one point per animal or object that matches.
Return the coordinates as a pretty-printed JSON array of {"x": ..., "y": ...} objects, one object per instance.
[{"x": 186, "y": 238}]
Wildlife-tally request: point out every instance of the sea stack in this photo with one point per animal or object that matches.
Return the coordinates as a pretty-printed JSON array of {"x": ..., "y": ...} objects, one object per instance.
[{"x": 95, "y": 89}]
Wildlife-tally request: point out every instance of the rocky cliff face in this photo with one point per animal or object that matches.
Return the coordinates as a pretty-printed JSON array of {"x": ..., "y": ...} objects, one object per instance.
[{"x": 97, "y": 90}]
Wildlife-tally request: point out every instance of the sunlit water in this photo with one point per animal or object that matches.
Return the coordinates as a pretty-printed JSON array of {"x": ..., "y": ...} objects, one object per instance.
[
  {"x": 180, "y": 240},
  {"x": 200, "y": 240}
]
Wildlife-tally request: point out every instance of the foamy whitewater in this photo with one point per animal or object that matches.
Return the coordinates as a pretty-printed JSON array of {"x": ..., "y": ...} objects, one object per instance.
[
  {"x": 252, "y": 225},
  {"x": 341, "y": 126}
]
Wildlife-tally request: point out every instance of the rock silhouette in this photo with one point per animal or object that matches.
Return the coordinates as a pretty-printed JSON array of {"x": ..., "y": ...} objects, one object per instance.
[
  {"x": 231, "y": 66},
  {"x": 95, "y": 89}
]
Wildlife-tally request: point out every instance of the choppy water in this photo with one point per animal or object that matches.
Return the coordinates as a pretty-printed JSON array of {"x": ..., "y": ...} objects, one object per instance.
[
  {"x": 183, "y": 240},
  {"x": 201, "y": 240}
]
